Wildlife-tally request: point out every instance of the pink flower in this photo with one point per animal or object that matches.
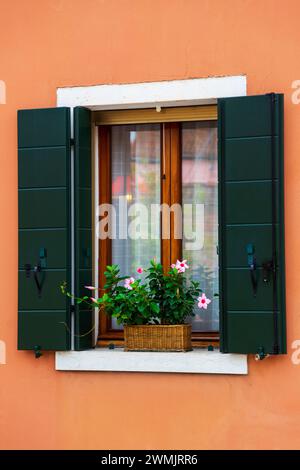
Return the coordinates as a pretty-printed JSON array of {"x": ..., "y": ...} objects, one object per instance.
[
  {"x": 94, "y": 300},
  {"x": 173, "y": 266},
  {"x": 181, "y": 265},
  {"x": 203, "y": 301},
  {"x": 128, "y": 282},
  {"x": 139, "y": 270},
  {"x": 90, "y": 287}
]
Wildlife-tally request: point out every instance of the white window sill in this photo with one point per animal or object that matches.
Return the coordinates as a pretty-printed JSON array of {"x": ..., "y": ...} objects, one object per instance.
[{"x": 198, "y": 361}]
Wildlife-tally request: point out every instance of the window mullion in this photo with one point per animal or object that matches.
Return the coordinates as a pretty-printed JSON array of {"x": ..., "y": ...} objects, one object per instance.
[
  {"x": 165, "y": 195},
  {"x": 175, "y": 192}
]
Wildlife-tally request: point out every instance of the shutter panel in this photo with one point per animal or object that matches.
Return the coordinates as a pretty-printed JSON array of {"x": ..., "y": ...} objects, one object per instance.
[
  {"x": 84, "y": 317},
  {"x": 44, "y": 228},
  {"x": 251, "y": 225}
]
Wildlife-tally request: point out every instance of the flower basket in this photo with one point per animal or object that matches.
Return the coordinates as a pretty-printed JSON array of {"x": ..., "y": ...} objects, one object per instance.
[{"x": 158, "y": 337}]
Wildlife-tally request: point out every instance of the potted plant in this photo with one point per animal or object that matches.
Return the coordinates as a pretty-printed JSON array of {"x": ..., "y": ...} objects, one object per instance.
[{"x": 154, "y": 311}]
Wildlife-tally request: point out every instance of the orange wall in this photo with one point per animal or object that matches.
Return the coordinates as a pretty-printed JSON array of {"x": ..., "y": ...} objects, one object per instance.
[{"x": 52, "y": 43}]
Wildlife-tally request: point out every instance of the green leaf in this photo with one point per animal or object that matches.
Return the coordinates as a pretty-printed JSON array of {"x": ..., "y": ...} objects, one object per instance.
[{"x": 154, "y": 308}]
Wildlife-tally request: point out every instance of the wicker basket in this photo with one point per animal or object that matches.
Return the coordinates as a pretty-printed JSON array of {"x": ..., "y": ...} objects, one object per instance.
[{"x": 157, "y": 338}]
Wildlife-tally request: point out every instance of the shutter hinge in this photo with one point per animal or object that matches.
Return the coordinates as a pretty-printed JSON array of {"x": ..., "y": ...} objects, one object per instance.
[
  {"x": 72, "y": 142},
  {"x": 37, "y": 352},
  {"x": 273, "y": 96},
  {"x": 261, "y": 355}
]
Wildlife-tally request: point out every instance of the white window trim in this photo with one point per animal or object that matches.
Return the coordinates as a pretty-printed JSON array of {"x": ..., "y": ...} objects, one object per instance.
[
  {"x": 199, "y": 361},
  {"x": 188, "y": 92}
]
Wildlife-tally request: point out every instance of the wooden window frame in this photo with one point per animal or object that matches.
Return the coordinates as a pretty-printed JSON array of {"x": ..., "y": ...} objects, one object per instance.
[{"x": 171, "y": 249}]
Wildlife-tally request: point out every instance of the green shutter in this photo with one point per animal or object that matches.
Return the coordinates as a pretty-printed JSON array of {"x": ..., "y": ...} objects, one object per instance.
[
  {"x": 44, "y": 228},
  {"x": 251, "y": 225},
  {"x": 84, "y": 318}
]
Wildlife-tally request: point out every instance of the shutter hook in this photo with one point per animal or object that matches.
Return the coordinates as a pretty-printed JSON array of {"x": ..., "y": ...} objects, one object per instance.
[
  {"x": 38, "y": 269},
  {"x": 43, "y": 256},
  {"x": 252, "y": 267},
  {"x": 39, "y": 281}
]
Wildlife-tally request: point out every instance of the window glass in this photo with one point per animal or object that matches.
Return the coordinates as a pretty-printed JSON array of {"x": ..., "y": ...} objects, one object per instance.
[
  {"x": 200, "y": 209},
  {"x": 135, "y": 155}
]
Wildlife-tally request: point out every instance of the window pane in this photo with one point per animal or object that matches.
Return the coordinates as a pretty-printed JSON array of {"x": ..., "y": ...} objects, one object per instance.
[
  {"x": 200, "y": 186},
  {"x": 136, "y": 180}
]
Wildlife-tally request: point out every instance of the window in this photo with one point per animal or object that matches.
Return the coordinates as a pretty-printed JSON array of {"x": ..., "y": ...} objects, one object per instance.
[
  {"x": 172, "y": 163},
  {"x": 55, "y": 210}
]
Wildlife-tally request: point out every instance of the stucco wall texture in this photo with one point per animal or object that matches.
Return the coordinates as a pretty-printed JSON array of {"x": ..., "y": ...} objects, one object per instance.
[{"x": 56, "y": 43}]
